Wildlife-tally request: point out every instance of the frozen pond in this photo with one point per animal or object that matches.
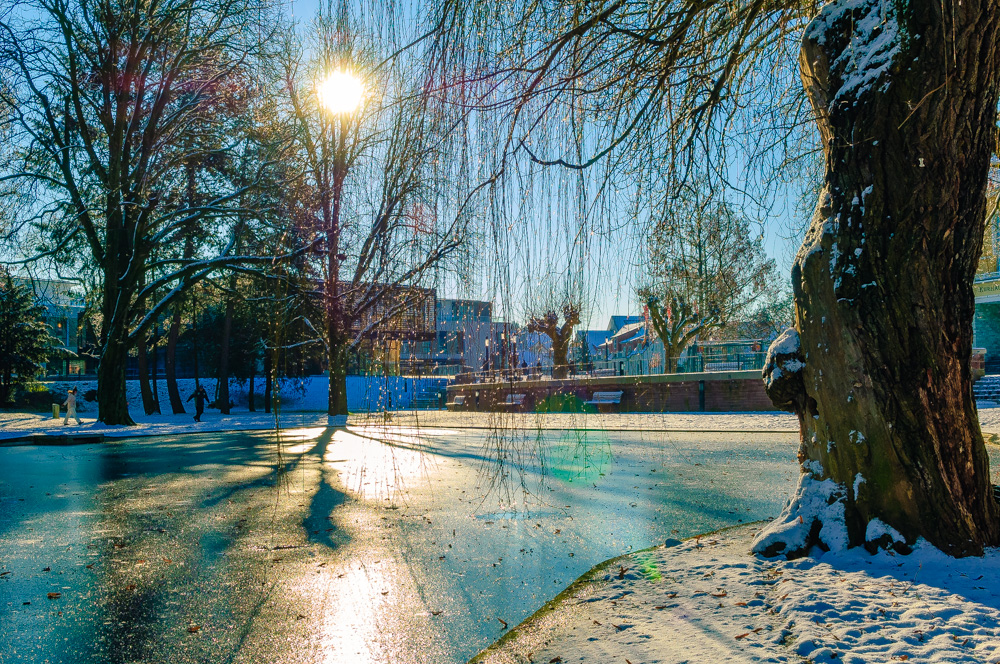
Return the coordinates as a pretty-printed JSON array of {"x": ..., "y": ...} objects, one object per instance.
[{"x": 376, "y": 544}]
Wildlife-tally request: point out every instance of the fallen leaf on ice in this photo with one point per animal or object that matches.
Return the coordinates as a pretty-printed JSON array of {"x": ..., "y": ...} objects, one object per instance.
[
  {"x": 503, "y": 622},
  {"x": 742, "y": 636},
  {"x": 54, "y": 595},
  {"x": 193, "y": 628}
]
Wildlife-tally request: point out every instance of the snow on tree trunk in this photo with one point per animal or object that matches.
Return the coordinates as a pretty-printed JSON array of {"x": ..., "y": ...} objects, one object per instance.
[{"x": 906, "y": 97}]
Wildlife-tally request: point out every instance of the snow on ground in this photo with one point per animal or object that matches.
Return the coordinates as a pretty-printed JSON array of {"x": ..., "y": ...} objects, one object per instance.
[
  {"x": 709, "y": 600},
  {"x": 17, "y": 425},
  {"x": 293, "y": 414},
  {"x": 989, "y": 418},
  {"x": 364, "y": 393}
]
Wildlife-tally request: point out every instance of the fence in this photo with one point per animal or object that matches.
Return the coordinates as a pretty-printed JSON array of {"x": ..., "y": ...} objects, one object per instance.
[{"x": 632, "y": 366}]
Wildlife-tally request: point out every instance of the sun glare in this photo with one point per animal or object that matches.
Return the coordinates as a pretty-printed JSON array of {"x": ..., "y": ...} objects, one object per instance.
[{"x": 340, "y": 92}]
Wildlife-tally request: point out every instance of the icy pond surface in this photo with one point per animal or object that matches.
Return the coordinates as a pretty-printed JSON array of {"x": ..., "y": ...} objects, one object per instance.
[{"x": 375, "y": 544}]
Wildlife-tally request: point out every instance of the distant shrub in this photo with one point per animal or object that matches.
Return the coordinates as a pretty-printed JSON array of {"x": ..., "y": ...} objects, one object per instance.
[{"x": 564, "y": 403}]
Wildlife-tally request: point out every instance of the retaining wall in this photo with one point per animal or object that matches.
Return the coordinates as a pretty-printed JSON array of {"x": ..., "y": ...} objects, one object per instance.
[{"x": 733, "y": 391}]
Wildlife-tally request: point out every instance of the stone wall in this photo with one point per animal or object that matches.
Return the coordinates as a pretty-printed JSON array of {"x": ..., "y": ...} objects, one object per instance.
[{"x": 711, "y": 391}]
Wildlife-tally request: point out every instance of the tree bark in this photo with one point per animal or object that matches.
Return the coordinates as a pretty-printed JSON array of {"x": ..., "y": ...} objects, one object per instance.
[
  {"x": 148, "y": 406},
  {"x": 560, "y": 352},
  {"x": 338, "y": 374},
  {"x": 170, "y": 363},
  {"x": 253, "y": 372},
  {"x": 222, "y": 400},
  {"x": 268, "y": 381},
  {"x": 112, "y": 403},
  {"x": 156, "y": 369},
  {"x": 883, "y": 282}
]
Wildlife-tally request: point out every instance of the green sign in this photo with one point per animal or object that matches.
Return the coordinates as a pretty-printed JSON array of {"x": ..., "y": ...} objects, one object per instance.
[{"x": 988, "y": 290}]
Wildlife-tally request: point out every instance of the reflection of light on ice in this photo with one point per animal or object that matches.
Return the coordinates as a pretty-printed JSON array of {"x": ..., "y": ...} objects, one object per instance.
[
  {"x": 360, "y": 625},
  {"x": 376, "y": 461},
  {"x": 354, "y": 625}
]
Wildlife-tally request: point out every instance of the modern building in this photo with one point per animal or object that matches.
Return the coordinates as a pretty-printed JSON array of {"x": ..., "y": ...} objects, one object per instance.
[
  {"x": 64, "y": 314},
  {"x": 461, "y": 340}
]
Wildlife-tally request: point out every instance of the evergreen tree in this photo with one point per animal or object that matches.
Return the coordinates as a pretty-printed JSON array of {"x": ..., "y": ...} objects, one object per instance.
[{"x": 25, "y": 342}]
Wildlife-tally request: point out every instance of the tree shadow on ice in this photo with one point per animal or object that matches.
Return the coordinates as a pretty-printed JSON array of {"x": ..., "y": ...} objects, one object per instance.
[{"x": 318, "y": 522}]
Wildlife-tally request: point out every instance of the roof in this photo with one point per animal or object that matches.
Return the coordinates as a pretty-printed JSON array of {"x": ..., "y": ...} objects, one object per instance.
[
  {"x": 617, "y": 322},
  {"x": 628, "y": 331}
]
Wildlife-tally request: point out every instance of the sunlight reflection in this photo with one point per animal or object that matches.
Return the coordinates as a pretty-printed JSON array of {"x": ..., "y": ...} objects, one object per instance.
[
  {"x": 373, "y": 470},
  {"x": 354, "y": 627}
]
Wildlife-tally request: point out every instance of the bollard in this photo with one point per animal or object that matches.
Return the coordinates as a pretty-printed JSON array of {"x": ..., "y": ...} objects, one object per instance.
[{"x": 55, "y": 411}]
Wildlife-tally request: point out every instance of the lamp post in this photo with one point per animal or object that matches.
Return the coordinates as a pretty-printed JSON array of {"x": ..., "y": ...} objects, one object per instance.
[{"x": 340, "y": 94}]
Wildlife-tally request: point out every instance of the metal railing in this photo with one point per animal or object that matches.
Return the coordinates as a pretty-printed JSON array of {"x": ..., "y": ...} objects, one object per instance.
[{"x": 634, "y": 366}]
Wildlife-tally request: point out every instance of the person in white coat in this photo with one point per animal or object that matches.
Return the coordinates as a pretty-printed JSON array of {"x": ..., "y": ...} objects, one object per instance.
[{"x": 70, "y": 404}]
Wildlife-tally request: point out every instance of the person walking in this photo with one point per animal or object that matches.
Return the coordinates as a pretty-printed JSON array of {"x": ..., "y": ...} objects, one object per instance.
[
  {"x": 70, "y": 404},
  {"x": 200, "y": 396}
]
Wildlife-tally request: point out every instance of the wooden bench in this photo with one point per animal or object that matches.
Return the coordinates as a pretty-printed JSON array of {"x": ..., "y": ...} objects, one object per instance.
[
  {"x": 606, "y": 398},
  {"x": 457, "y": 404}
]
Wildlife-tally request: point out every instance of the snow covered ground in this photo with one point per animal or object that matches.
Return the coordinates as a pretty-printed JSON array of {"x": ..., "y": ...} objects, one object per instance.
[
  {"x": 364, "y": 393},
  {"x": 710, "y": 600},
  {"x": 293, "y": 415},
  {"x": 17, "y": 425}
]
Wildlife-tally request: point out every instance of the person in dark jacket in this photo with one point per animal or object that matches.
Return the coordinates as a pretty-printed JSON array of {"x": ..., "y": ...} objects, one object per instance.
[{"x": 200, "y": 396}]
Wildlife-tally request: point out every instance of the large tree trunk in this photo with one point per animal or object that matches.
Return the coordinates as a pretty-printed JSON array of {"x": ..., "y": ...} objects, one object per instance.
[
  {"x": 560, "y": 352},
  {"x": 112, "y": 404},
  {"x": 222, "y": 400},
  {"x": 891, "y": 446},
  {"x": 337, "y": 359}
]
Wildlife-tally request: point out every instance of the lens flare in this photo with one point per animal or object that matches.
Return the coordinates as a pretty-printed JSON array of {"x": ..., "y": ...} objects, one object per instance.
[{"x": 340, "y": 92}]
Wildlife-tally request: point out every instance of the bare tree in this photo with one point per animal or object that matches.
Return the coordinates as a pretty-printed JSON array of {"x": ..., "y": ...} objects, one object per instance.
[
  {"x": 561, "y": 335},
  {"x": 376, "y": 183},
  {"x": 706, "y": 268},
  {"x": 105, "y": 93}
]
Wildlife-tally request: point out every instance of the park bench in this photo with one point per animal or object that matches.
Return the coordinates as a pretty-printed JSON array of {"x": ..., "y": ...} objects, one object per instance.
[
  {"x": 604, "y": 372},
  {"x": 606, "y": 398},
  {"x": 722, "y": 366},
  {"x": 457, "y": 404}
]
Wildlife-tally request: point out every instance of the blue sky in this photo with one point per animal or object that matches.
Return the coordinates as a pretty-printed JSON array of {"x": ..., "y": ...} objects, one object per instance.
[{"x": 610, "y": 276}]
